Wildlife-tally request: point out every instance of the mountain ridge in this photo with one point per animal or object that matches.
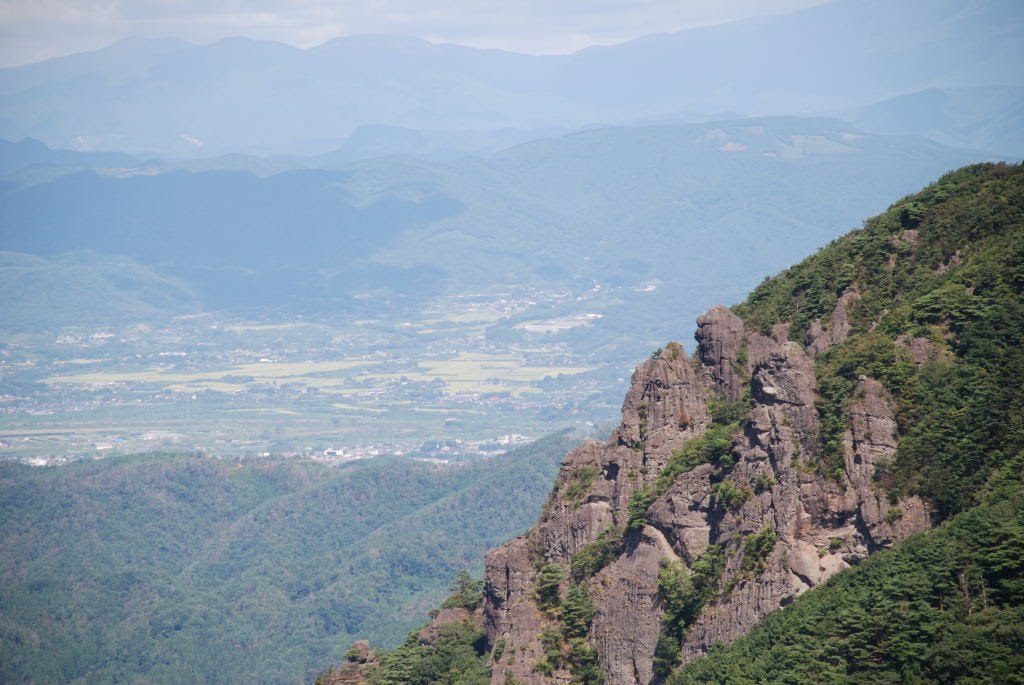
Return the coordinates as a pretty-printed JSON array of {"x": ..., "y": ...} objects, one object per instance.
[
  {"x": 747, "y": 195},
  {"x": 328, "y": 92},
  {"x": 852, "y": 402}
]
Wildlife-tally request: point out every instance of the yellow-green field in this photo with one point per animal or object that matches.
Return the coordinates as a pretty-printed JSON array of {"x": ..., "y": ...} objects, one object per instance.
[
  {"x": 356, "y": 407},
  {"x": 268, "y": 327},
  {"x": 469, "y": 316},
  {"x": 313, "y": 374},
  {"x": 483, "y": 373},
  {"x": 466, "y": 373}
]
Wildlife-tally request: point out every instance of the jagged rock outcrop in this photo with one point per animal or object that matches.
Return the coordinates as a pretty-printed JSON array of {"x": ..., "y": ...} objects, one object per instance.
[
  {"x": 626, "y": 593},
  {"x": 360, "y": 660},
  {"x": 429, "y": 634},
  {"x": 809, "y": 524},
  {"x": 869, "y": 443},
  {"x": 819, "y": 338}
]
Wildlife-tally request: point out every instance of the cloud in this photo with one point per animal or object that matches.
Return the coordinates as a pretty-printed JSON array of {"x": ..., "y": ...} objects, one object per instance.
[{"x": 34, "y": 29}]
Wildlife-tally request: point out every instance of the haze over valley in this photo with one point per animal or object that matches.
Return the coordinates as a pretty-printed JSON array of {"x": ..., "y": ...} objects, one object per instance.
[{"x": 239, "y": 276}]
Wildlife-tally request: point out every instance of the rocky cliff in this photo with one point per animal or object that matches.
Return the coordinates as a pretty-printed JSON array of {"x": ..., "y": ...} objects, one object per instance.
[
  {"x": 866, "y": 394},
  {"x": 820, "y": 523},
  {"x": 750, "y": 472}
]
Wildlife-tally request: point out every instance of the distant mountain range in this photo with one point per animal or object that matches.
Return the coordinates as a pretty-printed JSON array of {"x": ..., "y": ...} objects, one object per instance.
[
  {"x": 978, "y": 118},
  {"x": 237, "y": 95},
  {"x": 699, "y": 212}
]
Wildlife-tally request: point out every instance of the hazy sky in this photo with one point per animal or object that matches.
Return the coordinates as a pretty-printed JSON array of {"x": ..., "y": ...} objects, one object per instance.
[{"x": 31, "y": 30}]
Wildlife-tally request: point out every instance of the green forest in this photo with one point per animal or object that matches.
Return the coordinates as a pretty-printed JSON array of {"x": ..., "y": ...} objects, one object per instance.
[
  {"x": 945, "y": 266},
  {"x": 176, "y": 568}
]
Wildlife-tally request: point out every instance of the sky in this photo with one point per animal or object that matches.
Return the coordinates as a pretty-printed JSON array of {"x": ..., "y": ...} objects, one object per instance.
[{"x": 33, "y": 30}]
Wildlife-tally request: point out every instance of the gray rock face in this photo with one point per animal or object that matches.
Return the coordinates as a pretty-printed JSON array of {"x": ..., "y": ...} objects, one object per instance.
[
  {"x": 870, "y": 442},
  {"x": 510, "y": 614},
  {"x": 358, "y": 664},
  {"x": 683, "y": 514},
  {"x": 819, "y": 339},
  {"x": 820, "y": 523},
  {"x": 626, "y": 595},
  {"x": 429, "y": 634},
  {"x": 720, "y": 339}
]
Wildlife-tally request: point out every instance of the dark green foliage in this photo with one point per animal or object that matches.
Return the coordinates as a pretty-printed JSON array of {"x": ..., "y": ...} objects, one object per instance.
[
  {"x": 577, "y": 612},
  {"x": 683, "y": 593},
  {"x": 947, "y": 606},
  {"x": 456, "y": 658},
  {"x": 726, "y": 496},
  {"x": 705, "y": 572},
  {"x": 580, "y": 482},
  {"x": 675, "y": 590},
  {"x": 870, "y": 354},
  {"x": 564, "y": 635},
  {"x": 499, "y": 650},
  {"x": 551, "y": 640},
  {"x": 464, "y": 593},
  {"x": 756, "y": 549},
  {"x": 956, "y": 279},
  {"x": 639, "y": 502},
  {"x": 548, "y": 581},
  {"x": 583, "y": 663},
  {"x": 595, "y": 555},
  {"x": 944, "y": 607},
  {"x": 763, "y": 483},
  {"x": 714, "y": 447},
  {"x": 181, "y": 569},
  {"x": 564, "y": 639},
  {"x": 724, "y": 412}
]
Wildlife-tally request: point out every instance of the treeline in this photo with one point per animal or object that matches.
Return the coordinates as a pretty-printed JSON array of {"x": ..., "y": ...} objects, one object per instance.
[{"x": 176, "y": 568}]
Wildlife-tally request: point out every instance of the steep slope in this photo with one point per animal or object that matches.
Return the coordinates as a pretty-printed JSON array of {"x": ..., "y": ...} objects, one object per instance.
[
  {"x": 85, "y": 288},
  {"x": 29, "y": 152},
  {"x": 943, "y": 607},
  {"x": 851, "y": 401}
]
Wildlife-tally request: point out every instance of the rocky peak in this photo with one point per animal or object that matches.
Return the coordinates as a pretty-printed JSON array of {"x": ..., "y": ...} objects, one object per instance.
[
  {"x": 782, "y": 527},
  {"x": 359, "y": 661},
  {"x": 720, "y": 337}
]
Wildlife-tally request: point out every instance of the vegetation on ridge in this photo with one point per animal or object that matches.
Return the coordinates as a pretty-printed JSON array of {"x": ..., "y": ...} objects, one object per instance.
[
  {"x": 938, "y": 318},
  {"x": 943, "y": 269},
  {"x": 946, "y": 606},
  {"x": 937, "y": 315}
]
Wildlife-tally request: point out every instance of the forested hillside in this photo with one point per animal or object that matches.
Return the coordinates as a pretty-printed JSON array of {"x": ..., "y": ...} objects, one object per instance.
[
  {"x": 840, "y": 462},
  {"x": 187, "y": 569},
  {"x": 940, "y": 320}
]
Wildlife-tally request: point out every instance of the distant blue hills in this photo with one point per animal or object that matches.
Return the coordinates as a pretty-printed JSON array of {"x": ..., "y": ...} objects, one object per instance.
[
  {"x": 702, "y": 210},
  {"x": 168, "y": 97}
]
